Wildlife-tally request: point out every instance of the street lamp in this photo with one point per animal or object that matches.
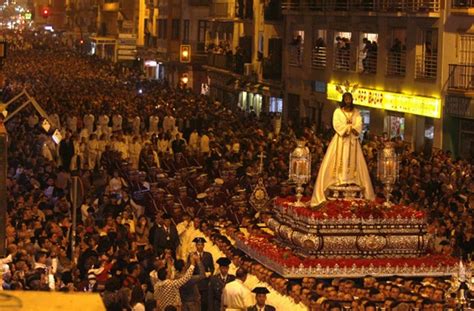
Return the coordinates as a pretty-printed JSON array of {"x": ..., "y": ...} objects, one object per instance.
[{"x": 300, "y": 169}]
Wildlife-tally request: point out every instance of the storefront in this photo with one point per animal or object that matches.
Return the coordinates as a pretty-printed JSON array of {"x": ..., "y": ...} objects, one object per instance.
[
  {"x": 154, "y": 70},
  {"x": 459, "y": 125}
]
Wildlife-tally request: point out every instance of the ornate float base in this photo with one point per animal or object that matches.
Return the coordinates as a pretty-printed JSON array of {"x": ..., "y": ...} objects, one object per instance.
[
  {"x": 349, "y": 229},
  {"x": 289, "y": 265}
]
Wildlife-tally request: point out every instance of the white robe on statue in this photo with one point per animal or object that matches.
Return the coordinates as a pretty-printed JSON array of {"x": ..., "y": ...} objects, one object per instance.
[{"x": 344, "y": 161}]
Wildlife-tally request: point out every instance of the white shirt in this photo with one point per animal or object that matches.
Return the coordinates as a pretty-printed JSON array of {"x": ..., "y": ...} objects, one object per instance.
[{"x": 237, "y": 296}]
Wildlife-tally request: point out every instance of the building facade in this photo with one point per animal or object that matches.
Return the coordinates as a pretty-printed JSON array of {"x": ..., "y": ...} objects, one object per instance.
[{"x": 393, "y": 55}]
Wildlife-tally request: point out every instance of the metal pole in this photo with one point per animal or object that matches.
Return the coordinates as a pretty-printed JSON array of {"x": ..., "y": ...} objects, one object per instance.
[
  {"x": 77, "y": 194},
  {"x": 3, "y": 188}
]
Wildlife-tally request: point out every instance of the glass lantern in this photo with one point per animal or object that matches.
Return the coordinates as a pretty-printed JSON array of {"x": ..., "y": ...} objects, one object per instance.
[
  {"x": 387, "y": 169},
  {"x": 300, "y": 169}
]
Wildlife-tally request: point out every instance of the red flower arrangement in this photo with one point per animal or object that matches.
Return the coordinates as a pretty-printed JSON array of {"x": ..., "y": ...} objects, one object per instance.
[
  {"x": 264, "y": 247},
  {"x": 349, "y": 209}
]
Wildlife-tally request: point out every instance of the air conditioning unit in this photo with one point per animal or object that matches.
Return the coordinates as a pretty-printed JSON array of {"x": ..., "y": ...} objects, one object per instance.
[{"x": 248, "y": 69}]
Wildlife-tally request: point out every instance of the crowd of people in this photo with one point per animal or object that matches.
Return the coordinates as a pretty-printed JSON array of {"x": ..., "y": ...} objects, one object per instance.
[{"x": 166, "y": 176}]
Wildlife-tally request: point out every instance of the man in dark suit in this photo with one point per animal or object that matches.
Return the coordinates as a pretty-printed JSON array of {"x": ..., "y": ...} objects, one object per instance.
[
  {"x": 261, "y": 298},
  {"x": 165, "y": 236},
  {"x": 208, "y": 263},
  {"x": 217, "y": 283}
]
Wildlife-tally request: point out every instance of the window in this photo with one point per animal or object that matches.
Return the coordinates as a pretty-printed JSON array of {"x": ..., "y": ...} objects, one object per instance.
[
  {"x": 276, "y": 104},
  {"x": 427, "y": 55},
  {"x": 162, "y": 28},
  {"x": 318, "y": 56},
  {"x": 186, "y": 31},
  {"x": 202, "y": 29},
  {"x": 175, "y": 23},
  {"x": 342, "y": 51},
  {"x": 396, "y": 60},
  {"x": 296, "y": 48},
  {"x": 368, "y": 47},
  {"x": 466, "y": 49}
]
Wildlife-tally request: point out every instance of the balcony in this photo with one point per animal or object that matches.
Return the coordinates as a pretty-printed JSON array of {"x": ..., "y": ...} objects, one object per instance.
[
  {"x": 112, "y": 6},
  {"x": 221, "y": 10},
  {"x": 227, "y": 62},
  {"x": 465, "y": 7},
  {"x": 199, "y": 2},
  {"x": 343, "y": 60},
  {"x": 318, "y": 58},
  {"x": 396, "y": 63},
  {"x": 244, "y": 9},
  {"x": 368, "y": 62},
  {"x": 272, "y": 12},
  {"x": 461, "y": 78},
  {"x": 426, "y": 67},
  {"x": 271, "y": 70},
  {"x": 379, "y": 6},
  {"x": 295, "y": 55}
]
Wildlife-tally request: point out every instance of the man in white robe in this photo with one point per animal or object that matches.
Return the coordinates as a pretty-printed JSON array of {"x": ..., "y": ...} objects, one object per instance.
[
  {"x": 116, "y": 122},
  {"x": 93, "y": 152},
  {"x": 344, "y": 162},
  {"x": 136, "y": 126},
  {"x": 236, "y": 296},
  {"x": 153, "y": 126},
  {"x": 89, "y": 122}
]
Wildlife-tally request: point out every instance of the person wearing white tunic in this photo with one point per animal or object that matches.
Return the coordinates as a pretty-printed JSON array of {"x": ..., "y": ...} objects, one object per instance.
[
  {"x": 153, "y": 126},
  {"x": 134, "y": 150},
  {"x": 194, "y": 141},
  {"x": 103, "y": 121},
  {"x": 72, "y": 123},
  {"x": 116, "y": 122},
  {"x": 136, "y": 126},
  {"x": 56, "y": 123},
  {"x": 235, "y": 295},
  {"x": 204, "y": 148},
  {"x": 167, "y": 126},
  {"x": 89, "y": 122},
  {"x": 93, "y": 151},
  {"x": 344, "y": 162}
]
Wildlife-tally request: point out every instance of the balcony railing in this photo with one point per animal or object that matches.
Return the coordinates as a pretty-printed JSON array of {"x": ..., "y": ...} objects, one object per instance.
[
  {"x": 221, "y": 10},
  {"x": 426, "y": 66},
  {"x": 368, "y": 62},
  {"x": 343, "y": 60},
  {"x": 395, "y": 6},
  {"x": 271, "y": 70},
  {"x": 318, "y": 58},
  {"x": 199, "y": 2},
  {"x": 396, "y": 63},
  {"x": 226, "y": 62},
  {"x": 295, "y": 54},
  {"x": 462, "y": 4},
  {"x": 461, "y": 77}
]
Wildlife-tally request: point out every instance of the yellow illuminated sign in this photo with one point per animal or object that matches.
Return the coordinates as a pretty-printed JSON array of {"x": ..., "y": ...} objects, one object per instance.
[{"x": 420, "y": 105}]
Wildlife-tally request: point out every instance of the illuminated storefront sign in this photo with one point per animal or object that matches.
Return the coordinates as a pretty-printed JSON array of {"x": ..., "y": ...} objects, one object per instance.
[{"x": 420, "y": 105}]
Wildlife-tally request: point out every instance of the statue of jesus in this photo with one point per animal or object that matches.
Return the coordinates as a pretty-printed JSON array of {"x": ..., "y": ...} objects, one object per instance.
[{"x": 344, "y": 162}]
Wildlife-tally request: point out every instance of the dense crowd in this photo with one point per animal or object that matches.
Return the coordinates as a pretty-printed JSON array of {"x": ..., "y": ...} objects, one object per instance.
[{"x": 166, "y": 176}]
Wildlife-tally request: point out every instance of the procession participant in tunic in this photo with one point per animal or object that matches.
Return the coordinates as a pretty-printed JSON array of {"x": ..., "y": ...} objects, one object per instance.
[
  {"x": 93, "y": 151},
  {"x": 136, "y": 126},
  {"x": 117, "y": 122},
  {"x": 89, "y": 122},
  {"x": 153, "y": 124},
  {"x": 236, "y": 296},
  {"x": 217, "y": 283}
]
